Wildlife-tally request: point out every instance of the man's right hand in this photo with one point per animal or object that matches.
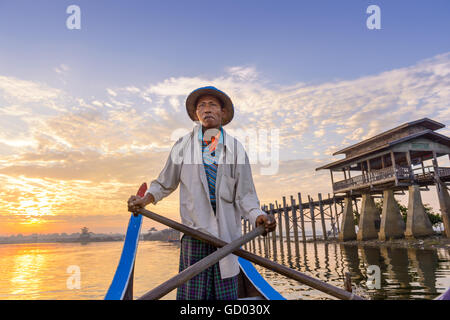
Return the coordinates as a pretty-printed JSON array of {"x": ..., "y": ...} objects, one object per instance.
[{"x": 136, "y": 202}]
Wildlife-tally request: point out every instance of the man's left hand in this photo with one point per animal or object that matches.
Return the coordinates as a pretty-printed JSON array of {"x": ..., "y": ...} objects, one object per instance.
[{"x": 268, "y": 221}]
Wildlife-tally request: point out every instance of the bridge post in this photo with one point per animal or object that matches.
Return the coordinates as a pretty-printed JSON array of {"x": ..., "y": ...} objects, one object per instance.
[
  {"x": 295, "y": 222},
  {"x": 444, "y": 204},
  {"x": 302, "y": 218},
  {"x": 313, "y": 218},
  {"x": 392, "y": 224},
  {"x": 333, "y": 221},
  {"x": 280, "y": 227},
  {"x": 267, "y": 237},
  {"x": 336, "y": 213},
  {"x": 348, "y": 225},
  {"x": 368, "y": 219},
  {"x": 274, "y": 234},
  {"x": 322, "y": 217},
  {"x": 444, "y": 198},
  {"x": 244, "y": 227},
  {"x": 287, "y": 227},
  {"x": 253, "y": 240},
  {"x": 417, "y": 222},
  {"x": 259, "y": 240}
]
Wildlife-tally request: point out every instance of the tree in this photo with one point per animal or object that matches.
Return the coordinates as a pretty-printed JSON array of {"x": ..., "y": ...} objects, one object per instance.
[
  {"x": 356, "y": 216},
  {"x": 435, "y": 218}
]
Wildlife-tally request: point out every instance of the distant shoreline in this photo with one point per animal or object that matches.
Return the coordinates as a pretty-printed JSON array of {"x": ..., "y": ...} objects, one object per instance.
[
  {"x": 430, "y": 242},
  {"x": 59, "y": 241},
  {"x": 76, "y": 241}
]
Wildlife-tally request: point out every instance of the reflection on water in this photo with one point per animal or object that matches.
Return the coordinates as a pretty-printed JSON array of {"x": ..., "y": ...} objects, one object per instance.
[
  {"x": 25, "y": 275},
  {"x": 39, "y": 271},
  {"x": 405, "y": 273}
]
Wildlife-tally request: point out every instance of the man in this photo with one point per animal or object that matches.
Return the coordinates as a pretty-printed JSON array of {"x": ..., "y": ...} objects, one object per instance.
[{"x": 216, "y": 190}]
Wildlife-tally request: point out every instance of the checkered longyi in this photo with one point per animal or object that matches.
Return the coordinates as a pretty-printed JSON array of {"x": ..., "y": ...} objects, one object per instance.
[{"x": 207, "y": 285}]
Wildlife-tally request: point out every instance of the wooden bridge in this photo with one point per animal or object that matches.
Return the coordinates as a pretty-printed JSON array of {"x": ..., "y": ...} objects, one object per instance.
[{"x": 293, "y": 219}]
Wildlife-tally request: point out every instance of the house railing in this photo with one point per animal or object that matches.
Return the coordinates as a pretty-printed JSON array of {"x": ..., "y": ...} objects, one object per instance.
[
  {"x": 375, "y": 176},
  {"x": 388, "y": 174}
]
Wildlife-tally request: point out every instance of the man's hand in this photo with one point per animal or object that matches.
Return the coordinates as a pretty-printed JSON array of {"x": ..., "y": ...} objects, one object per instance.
[
  {"x": 136, "y": 202},
  {"x": 268, "y": 221}
]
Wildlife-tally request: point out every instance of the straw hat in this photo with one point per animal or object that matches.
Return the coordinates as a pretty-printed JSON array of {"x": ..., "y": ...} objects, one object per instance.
[{"x": 193, "y": 97}]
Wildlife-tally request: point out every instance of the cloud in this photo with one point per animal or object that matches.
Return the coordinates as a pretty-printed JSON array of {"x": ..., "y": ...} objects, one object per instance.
[
  {"x": 243, "y": 73},
  {"x": 62, "y": 69},
  {"x": 88, "y": 155},
  {"x": 111, "y": 92},
  {"x": 15, "y": 90}
]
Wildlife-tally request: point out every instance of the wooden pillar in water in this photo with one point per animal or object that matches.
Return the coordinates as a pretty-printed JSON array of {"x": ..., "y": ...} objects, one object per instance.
[
  {"x": 333, "y": 221},
  {"x": 274, "y": 234},
  {"x": 336, "y": 213},
  {"x": 286, "y": 222},
  {"x": 259, "y": 242},
  {"x": 266, "y": 238},
  {"x": 280, "y": 227},
  {"x": 252, "y": 243},
  {"x": 247, "y": 230},
  {"x": 302, "y": 218},
  {"x": 313, "y": 218},
  {"x": 244, "y": 225},
  {"x": 322, "y": 217},
  {"x": 295, "y": 224}
]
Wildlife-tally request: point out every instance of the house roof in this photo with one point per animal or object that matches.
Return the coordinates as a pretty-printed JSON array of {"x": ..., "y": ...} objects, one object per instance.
[
  {"x": 425, "y": 122},
  {"x": 426, "y": 133}
]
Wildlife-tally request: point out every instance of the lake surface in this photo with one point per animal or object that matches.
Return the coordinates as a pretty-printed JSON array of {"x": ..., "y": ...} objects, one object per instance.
[{"x": 43, "y": 270}]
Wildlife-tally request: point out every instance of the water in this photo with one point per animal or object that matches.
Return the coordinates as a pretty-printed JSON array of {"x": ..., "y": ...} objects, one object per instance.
[
  {"x": 404, "y": 273},
  {"x": 39, "y": 271}
]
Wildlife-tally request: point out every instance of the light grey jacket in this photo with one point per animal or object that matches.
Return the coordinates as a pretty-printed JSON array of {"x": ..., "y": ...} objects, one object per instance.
[{"x": 235, "y": 191}]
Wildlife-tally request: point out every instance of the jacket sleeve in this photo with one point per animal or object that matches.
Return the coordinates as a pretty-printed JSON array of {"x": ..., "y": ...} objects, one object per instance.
[
  {"x": 246, "y": 197},
  {"x": 169, "y": 178}
]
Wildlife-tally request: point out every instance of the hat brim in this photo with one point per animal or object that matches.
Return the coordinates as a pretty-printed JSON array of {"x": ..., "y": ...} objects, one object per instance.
[{"x": 227, "y": 103}]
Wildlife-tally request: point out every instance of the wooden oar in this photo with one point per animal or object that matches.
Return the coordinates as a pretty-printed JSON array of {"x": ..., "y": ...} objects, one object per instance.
[
  {"x": 201, "y": 265},
  {"x": 288, "y": 272}
]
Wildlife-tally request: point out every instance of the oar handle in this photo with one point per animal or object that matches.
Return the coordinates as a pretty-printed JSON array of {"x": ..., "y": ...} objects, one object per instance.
[
  {"x": 269, "y": 264},
  {"x": 200, "y": 266}
]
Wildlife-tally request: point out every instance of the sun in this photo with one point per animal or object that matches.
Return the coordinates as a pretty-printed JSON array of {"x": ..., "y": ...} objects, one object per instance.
[{"x": 32, "y": 221}]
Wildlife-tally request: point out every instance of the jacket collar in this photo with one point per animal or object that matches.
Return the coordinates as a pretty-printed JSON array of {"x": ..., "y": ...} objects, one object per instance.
[
  {"x": 225, "y": 140},
  {"x": 200, "y": 135}
]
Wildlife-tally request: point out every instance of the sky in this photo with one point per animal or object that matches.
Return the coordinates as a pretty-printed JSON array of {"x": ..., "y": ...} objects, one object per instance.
[{"x": 87, "y": 115}]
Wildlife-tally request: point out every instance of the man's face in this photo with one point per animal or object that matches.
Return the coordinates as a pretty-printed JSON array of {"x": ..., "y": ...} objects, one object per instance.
[{"x": 209, "y": 112}]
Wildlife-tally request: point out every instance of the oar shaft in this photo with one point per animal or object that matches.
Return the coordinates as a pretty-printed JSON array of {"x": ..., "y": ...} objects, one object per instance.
[
  {"x": 200, "y": 266},
  {"x": 288, "y": 272}
]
